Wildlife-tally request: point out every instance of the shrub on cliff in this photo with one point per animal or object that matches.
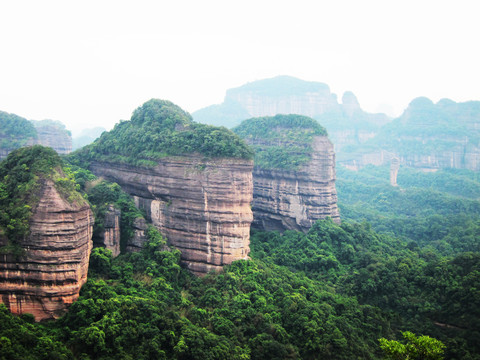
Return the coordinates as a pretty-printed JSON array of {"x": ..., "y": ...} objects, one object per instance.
[
  {"x": 21, "y": 175},
  {"x": 281, "y": 141},
  {"x": 160, "y": 128}
]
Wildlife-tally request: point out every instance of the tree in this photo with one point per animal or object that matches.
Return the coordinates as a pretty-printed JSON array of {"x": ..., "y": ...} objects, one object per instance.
[{"x": 421, "y": 348}]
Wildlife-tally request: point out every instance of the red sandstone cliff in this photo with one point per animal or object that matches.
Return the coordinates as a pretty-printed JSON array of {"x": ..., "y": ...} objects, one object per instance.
[
  {"x": 295, "y": 199},
  {"x": 201, "y": 206},
  {"x": 54, "y": 265}
]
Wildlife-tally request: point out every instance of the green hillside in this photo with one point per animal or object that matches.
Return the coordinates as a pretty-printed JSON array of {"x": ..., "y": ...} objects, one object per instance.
[{"x": 159, "y": 128}]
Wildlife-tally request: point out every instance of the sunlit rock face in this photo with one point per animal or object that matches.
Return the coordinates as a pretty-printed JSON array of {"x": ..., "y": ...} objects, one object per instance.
[
  {"x": 202, "y": 206},
  {"x": 295, "y": 199},
  {"x": 48, "y": 276}
]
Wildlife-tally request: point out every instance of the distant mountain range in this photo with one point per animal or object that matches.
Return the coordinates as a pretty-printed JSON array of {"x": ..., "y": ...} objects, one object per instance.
[
  {"x": 346, "y": 122},
  {"x": 426, "y": 135}
]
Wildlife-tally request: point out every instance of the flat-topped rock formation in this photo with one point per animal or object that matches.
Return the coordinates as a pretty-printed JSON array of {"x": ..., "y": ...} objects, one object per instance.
[
  {"x": 194, "y": 182},
  {"x": 294, "y": 172},
  {"x": 202, "y": 207}
]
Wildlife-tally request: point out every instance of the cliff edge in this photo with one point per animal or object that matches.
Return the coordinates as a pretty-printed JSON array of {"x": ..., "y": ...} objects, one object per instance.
[
  {"x": 294, "y": 172},
  {"x": 45, "y": 234}
]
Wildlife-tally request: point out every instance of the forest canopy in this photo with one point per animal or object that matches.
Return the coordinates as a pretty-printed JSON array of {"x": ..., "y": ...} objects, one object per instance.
[
  {"x": 281, "y": 141},
  {"x": 160, "y": 128}
]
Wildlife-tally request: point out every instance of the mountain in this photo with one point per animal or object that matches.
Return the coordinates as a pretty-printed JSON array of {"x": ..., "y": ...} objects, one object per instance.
[
  {"x": 16, "y": 132},
  {"x": 193, "y": 181},
  {"x": 45, "y": 234},
  {"x": 426, "y": 135},
  {"x": 294, "y": 172},
  {"x": 87, "y": 136},
  {"x": 346, "y": 122}
]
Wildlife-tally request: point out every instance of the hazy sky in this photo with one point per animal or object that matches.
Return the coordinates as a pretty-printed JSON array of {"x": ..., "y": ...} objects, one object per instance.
[{"x": 91, "y": 63}]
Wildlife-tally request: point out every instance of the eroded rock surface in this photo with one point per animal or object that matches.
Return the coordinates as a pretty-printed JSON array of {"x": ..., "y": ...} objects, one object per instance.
[
  {"x": 201, "y": 206},
  {"x": 53, "y": 267},
  {"x": 295, "y": 199}
]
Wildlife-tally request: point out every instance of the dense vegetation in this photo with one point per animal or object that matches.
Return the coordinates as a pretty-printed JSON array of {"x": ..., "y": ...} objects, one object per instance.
[
  {"x": 159, "y": 128},
  {"x": 281, "y": 141},
  {"x": 440, "y": 209},
  {"x": 15, "y": 131},
  {"x": 405, "y": 259},
  {"x": 426, "y": 128},
  {"x": 21, "y": 176}
]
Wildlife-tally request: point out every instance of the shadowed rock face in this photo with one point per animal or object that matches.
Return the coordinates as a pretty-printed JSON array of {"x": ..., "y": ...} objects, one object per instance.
[
  {"x": 294, "y": 200},
  {"x": 110, "y": 237},
  {"x": 54, "y": 265},
  {"x": 201, "y": 206}
]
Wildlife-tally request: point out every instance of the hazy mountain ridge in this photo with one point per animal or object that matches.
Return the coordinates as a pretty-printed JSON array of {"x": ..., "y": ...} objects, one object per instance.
[
  {"x": 16, "y": 131},
  {"x": 346, "y": 122},
  {"x": 426, "y": 135}
]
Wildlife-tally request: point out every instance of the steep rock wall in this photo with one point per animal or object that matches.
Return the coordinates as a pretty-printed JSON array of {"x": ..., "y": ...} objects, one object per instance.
[
  {"x": 286, "y": 199},
  {"x": 55, "y": 137},
  {"x": 109, "y": 238},
  {"x": 201, "y": 206},
  {"x": 54, "y": 265}
]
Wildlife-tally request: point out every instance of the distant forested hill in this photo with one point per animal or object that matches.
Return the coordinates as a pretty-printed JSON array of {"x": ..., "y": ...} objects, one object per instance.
[
  {"x": 16, "y": 132},
  {"x": 427, "y": 135},
  {"x": 346, "y": 122}
]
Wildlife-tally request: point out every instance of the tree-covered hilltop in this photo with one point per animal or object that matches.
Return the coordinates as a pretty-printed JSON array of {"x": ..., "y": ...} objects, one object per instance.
[
  {"x": 445, "y": 129},
  {"x": 15, "y": 131},
  {"x": 280, "y": 141},
  {"x": 21, "y": 177},
  {"x": 160, "y": 128}
]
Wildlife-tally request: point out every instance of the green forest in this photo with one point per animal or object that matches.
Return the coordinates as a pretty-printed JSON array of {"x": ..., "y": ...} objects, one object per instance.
[
  {"x": 280, "y": 141},
  {"x": 380, "y": 284},
  {"x": 160, "y": 128}
]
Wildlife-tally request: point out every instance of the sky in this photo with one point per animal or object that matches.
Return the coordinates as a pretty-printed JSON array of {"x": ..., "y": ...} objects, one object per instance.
[{"x": 91, "y": 63}]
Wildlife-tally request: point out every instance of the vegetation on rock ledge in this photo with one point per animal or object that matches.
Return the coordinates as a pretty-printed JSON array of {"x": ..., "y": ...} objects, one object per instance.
[
  {"x": 281, "y": 141},
  {"x": 159, "y": 128},
  {"x": 21, "y": 176}
]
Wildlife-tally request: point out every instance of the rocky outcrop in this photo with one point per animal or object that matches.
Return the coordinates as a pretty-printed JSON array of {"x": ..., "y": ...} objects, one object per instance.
[
  {"x": 201, "y": 206},
  {"x": 48, "y": 274},
  {"x": 54, "y": 134},
  {"x": 295, "y": 199},
  {"x": 139, "y": 237},
  {"x": 426, "y": 136},
  {"x": 109, "y": 238},
  {"x": 346, "y": 122}
]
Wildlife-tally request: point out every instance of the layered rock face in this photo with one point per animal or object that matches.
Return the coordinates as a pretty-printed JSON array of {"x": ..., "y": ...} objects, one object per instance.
[
  {"x": 53, "y": 267},
  {"x": 54, "y": 135},
  {"x": 110, "y": 237},
  {"x": 201, "y": 206},
  {"x": 426, "y": 136},
  {"x": 295, "y": 199},
  {"x": 346, "y": 122}
]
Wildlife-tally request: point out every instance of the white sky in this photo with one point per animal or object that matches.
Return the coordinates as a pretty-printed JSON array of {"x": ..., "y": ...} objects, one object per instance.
[{"x": 91, "y": 63}]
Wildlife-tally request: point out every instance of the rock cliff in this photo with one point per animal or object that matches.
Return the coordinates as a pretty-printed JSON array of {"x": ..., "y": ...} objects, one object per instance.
[
  {"x": 286, "y": 199},
  {"x": 109, "y": 238},
  {"x": 294, "y": 173},
  {"x": 201, "y": 206},
  {"x": 346, "y": 122},
  {"x": 426, "y": 135},
  {"x": 16, "y": 132},
  {"x": 53, "y": 264},
  {"x": 54, "y": 134},
  {"x": 194, "y": 181}
]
